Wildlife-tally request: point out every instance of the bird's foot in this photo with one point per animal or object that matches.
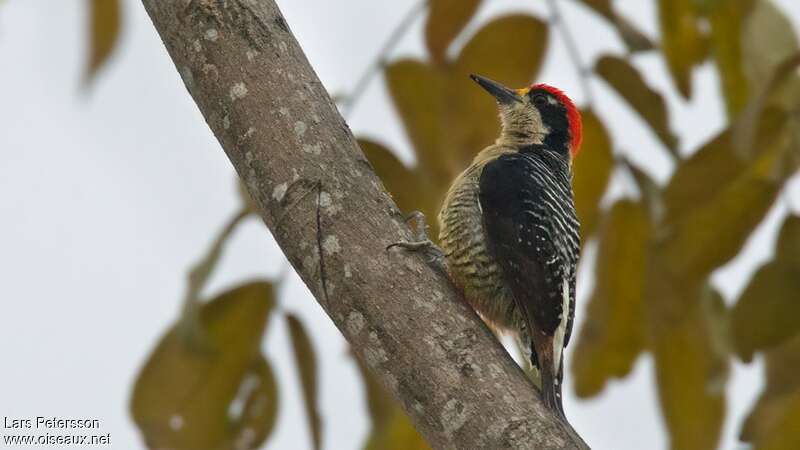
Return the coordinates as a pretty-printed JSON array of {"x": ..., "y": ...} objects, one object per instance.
[{"x": 421, "y": 242}]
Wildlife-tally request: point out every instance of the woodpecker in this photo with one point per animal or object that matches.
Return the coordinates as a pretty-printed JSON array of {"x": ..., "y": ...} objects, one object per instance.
[
  {"x": 509, "y": 235},
  {"x": 509, "y": 232}
]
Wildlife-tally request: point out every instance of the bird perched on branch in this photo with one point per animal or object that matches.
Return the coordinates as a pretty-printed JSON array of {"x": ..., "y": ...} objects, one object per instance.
[{"x": 509, "y": 233}]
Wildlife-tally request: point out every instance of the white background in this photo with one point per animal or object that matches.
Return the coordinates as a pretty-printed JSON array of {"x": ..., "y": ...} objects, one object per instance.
[{"x": 107, "y": 195}]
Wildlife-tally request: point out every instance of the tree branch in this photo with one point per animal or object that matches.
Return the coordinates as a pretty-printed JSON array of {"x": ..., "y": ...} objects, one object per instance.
[{"x": 320, "y": 198}]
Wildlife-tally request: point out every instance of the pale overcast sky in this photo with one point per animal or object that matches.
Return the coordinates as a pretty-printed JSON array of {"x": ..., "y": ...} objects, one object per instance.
[{"x": 107, "y": 196}]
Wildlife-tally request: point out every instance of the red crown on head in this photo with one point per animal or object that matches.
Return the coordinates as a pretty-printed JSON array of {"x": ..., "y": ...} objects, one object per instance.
[{"x": 573, "y": 115}]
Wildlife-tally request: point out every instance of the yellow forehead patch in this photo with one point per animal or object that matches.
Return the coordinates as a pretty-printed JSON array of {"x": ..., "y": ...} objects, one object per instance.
[{"x": 523, "y": 92}]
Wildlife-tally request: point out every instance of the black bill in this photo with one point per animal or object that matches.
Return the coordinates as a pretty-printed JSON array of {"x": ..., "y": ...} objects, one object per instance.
[{"x": 503, "y": 94}]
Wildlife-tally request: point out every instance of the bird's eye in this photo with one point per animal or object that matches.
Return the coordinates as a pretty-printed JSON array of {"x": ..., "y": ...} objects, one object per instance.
[{"x": 540, "y": 100}]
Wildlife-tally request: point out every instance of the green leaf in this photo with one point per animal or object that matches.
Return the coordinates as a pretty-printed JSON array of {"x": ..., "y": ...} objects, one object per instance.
[
  {"x": 711, "y": 233},
  {"x": 650, "y": 105},
  {"x": 410, "y": 190},
  {"x": 613, "y": 337},
  {"x": 634, "y": 39},
  {"x": 445, "y": 21},
  {"x": 602, "y": 7},
  {"x": 306, "y": 361},
  {"x": 788, "y": 248},
  {"x": 391, "y": 428},
  {"x": 380, "y": 404},
  {"x": 711, "y": 236},
  {"x": 186, "y": 396},
  {"x": 510, "y": 50},
  {"x": 418, "y": 92},
  {"x": 396, "y": 434},
  {"x": 399, "y": 180},
  {"x": 259, "y": 393},
  {"x": 592, "y": 171},
  {"x": 701, "y": 177},
  {"x": 765, "y": 102},
  {"x": 104, "y": 26},
  {"x": 683, "y": 44},
  {"x": 691, "y": 371},
  {"x": 769, "y": 40},
  {"x": 767, "y": 312},
  {"x": 727, "y": 19},
  {"x": 651, "y": 193},
  {"x": 774, "y": 423},
  {"x": 771, "y": 54}
]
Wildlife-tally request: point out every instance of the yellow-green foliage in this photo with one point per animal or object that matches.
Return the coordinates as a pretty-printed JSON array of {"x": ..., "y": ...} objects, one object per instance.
[{"x": 655, "y": 252}]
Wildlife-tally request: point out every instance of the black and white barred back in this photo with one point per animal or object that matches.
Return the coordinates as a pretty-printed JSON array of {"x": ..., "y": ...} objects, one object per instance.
[{"x": 532, "y": 230}]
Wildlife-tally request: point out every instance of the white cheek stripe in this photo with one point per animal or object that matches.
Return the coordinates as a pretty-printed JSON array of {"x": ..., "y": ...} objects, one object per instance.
[{"x": 558, "y": 340}]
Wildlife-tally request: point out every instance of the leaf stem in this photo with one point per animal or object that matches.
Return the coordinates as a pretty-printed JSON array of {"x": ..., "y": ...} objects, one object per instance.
[
  {"x": 201, "y": 271},
  {"x": 584, "y": 74},
  {"x": 349, "y": 101}
]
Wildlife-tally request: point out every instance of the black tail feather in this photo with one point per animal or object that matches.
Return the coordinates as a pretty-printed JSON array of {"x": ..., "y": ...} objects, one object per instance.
[
  {"x": 551, "y": 386},
  {"x": 551, "y": 393}
]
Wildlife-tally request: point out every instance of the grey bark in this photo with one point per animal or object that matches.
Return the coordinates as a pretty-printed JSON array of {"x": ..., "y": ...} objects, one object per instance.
[{"x": 333, "y": 219}]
